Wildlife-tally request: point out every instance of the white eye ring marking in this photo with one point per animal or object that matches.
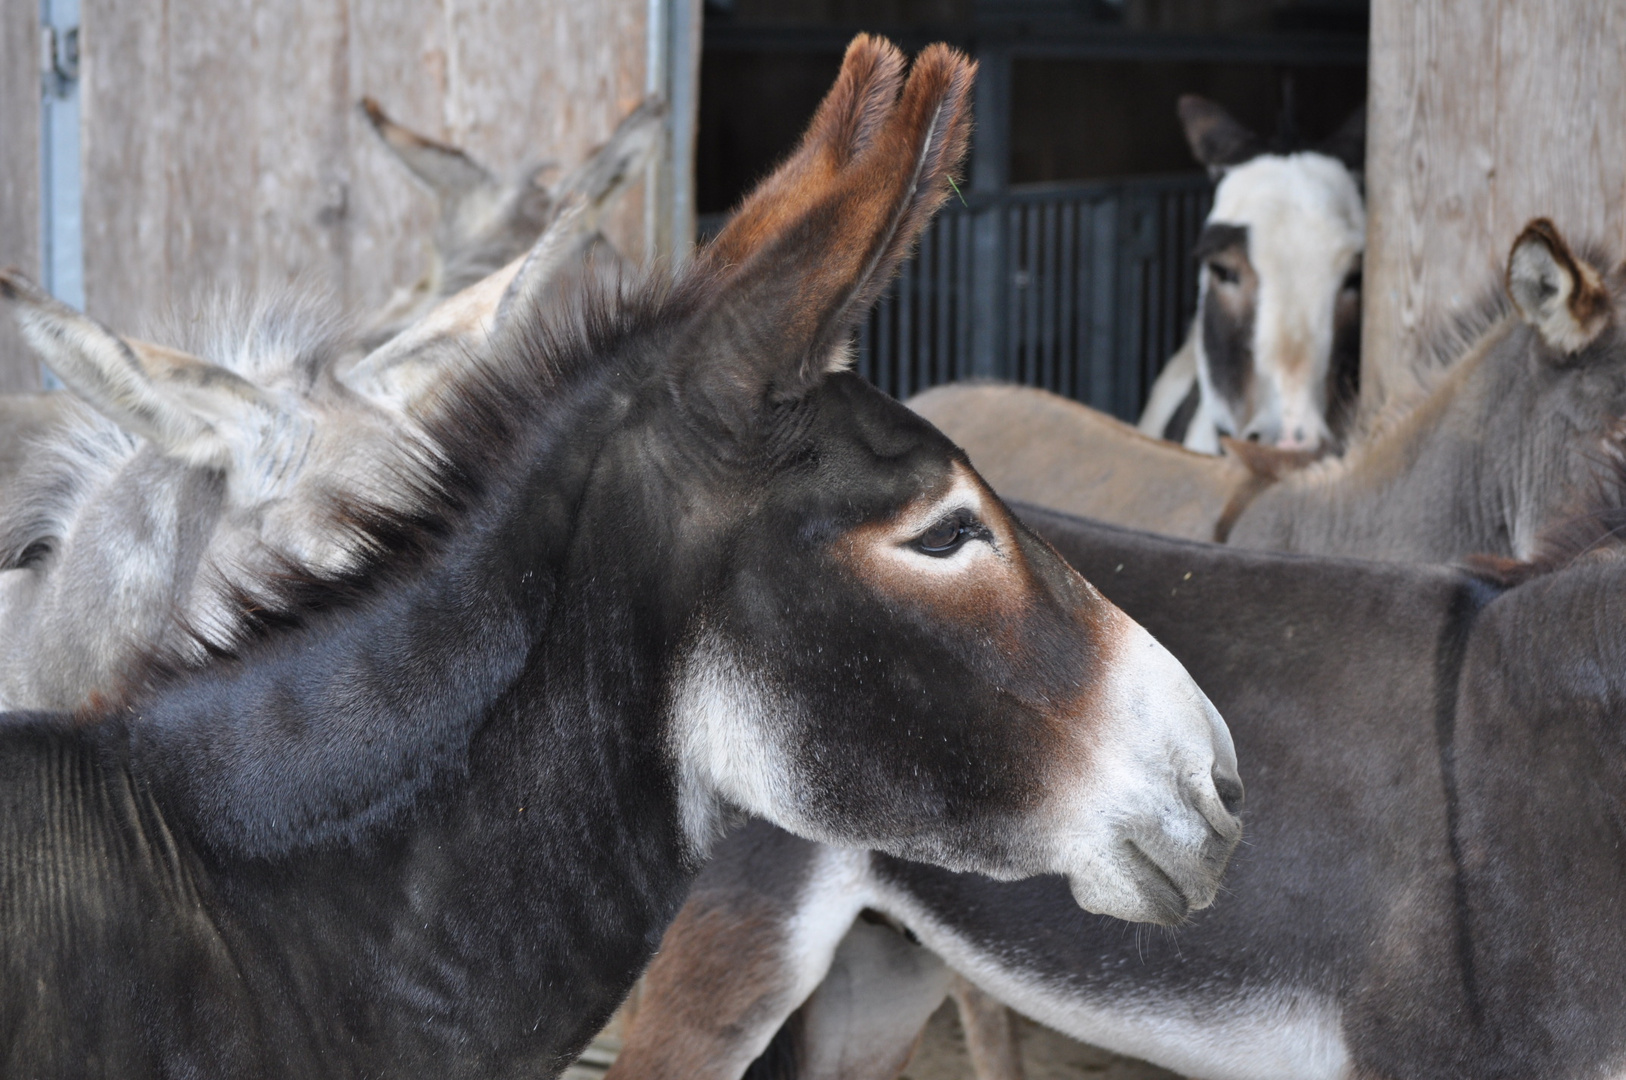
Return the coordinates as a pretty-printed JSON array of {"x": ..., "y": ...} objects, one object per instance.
[{"x": 964, "y": 501}]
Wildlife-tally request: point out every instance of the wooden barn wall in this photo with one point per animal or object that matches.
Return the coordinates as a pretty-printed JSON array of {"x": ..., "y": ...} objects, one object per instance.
[
  {"x": 223, "y": 147},
  {"x": 1483, "y": 114},
  {"x": 19, "y": 172}
]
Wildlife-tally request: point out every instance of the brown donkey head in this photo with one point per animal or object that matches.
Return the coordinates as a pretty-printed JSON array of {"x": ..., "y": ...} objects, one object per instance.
[{"x": 884, "y": 655}]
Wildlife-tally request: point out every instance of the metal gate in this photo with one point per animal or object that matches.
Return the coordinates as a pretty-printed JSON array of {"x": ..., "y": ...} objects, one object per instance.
[
  {"x": 1084, "y": 289},
  {"x": 1089, "y": 288}
]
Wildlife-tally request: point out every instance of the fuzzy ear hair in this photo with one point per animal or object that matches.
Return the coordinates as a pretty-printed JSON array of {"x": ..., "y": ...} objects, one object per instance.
[
  {"x": 1348, "y": 143},
  {"x": 844, "y": 125},
  {"x": 408, "y": 371},
  {"x": 812, "y": 248},
  {"x": 1560, "y": 295},
  {"x": 168, "y": 397},
  {"x": 613, "y": 167},
  {"x": 1217, "y": 139},
  {"x": 450, "y": 173}
]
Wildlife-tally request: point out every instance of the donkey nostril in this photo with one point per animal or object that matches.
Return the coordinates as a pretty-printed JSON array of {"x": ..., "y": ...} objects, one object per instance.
[
  {"x": 1230, "y": 792},
  {"x": 1298, "y": 433},
  {"x": 1253, "y": 436}
]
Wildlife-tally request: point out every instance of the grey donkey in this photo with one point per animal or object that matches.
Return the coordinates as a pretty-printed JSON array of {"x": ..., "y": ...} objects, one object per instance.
[
  {"x": 486, "y": 223},
  {"x": 165, "y": 499}
]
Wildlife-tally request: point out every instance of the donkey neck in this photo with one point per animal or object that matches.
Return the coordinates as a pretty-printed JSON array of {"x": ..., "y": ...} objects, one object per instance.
[
  {"x": 1419, "y": 487},
  {"x": 1541, "y": 763},
  {"x": 454, "y": 795}
]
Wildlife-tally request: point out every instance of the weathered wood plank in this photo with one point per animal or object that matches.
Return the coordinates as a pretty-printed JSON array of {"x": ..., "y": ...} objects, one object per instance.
[
  {"x": 1483, "y": 114},
  {"x": 19, "y": 173},
  {"x": 223, "y": 147}
]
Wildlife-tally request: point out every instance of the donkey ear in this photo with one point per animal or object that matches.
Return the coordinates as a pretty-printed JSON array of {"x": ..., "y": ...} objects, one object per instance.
[
  {"x": 450, "y": 173},
  {"x": 812, "y": 249},
  {"x": 1560, "y": 295},
  {"x": 845, "y": 125},
  {"x": 408, "y": 370},
  {"x": 167, "y": 397},
  {"x": 1217, "y": 139},
  {"x": 614, "y": 166},
  {"x": 1348, "y": 143}
]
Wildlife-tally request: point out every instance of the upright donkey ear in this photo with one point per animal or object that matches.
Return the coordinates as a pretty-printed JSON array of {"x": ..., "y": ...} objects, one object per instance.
[
  {"x": 612, "y": 167},
  {"x": 1217, "y": 139},
  {"x": 406, "y": 371},
  {"x": 844, "y": 126},
  {"x": 811, "y": 249},
  {"x": 170, "y": 398},
  {"x": 1562, "y": 296},
  {"x": 1348, "y": 143},
  {"x": 450, "y": 173}
]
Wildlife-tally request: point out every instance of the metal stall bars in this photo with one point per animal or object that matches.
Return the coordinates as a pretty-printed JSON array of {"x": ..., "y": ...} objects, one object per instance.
[{"x": 1095, "y": 290}]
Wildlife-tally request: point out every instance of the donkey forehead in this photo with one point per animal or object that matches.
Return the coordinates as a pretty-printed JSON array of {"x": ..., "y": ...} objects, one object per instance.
[
  {"x": 874, "y": 454},
  {"x": 1301, "y": 211}
]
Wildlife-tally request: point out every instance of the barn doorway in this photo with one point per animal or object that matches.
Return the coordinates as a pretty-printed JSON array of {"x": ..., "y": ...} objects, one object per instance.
[{"x": 1066, "y": 262}]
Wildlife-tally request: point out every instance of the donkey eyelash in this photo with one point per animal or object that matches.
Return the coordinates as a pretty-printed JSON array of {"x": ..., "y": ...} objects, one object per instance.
[
  {"x": 1224, "y": 273},
  {"x": 36, "y": 552},
  {"x": 950, "y": 534}
]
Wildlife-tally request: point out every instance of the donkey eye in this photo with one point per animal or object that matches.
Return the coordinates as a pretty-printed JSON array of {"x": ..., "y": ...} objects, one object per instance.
[
  {"x": 32, "y": 555},
  {"x": 1223, "y": 273},
  {"x": 946, "y": 536}
]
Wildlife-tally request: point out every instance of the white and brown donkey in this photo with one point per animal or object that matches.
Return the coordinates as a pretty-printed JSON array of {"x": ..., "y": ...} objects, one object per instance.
[{"x": 1274, "y": 351}]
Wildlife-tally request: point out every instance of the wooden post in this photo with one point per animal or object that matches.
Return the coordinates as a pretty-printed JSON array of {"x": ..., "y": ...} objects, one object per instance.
[
  {"x": 19, "y": 173},
  {"x": 1483, "y": 114}
]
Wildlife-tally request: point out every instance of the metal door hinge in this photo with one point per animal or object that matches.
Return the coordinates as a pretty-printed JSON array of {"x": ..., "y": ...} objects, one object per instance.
[{"x": 59, "y": 58}]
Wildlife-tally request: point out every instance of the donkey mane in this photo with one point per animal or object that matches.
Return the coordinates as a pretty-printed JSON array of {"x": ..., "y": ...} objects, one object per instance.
[
  {"x": 476, "y": 443},
  {"x": 1465, "y": 327},
  {"x": 285, "y": 339},
  {"x": 1595, "y": 530}
]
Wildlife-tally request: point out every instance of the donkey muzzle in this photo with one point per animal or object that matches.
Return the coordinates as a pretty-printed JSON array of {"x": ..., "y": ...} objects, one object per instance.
[{"x": 1153, "y": 822}]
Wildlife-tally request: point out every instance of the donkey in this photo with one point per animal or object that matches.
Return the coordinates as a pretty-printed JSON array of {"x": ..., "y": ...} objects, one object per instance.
[
  {"x": 194, "y": 482},
  {"x": 484, "y": 224},
  {"x": 1274, "y": 351},
  {"x": 1505, "y": 439},
  {"x": 188, "y": 485},
  {"x": 1430, "y": 886},
  {"x": 1522, "y": 422},
  {"x": 430, "y": 815},
  {"x": 1042, "y": 448},
  {"x": 1505, "y": 433}
]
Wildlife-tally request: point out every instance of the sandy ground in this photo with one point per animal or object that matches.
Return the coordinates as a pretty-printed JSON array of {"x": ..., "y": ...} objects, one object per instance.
[{"x": 1046, "y": 1055}]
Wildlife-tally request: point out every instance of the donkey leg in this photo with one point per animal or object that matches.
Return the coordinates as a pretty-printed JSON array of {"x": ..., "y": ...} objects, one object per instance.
[
  {"x": 867, "y": 1016},
  {"x": 990, "y": 1032},
  {"x": 754, "y": 940}
]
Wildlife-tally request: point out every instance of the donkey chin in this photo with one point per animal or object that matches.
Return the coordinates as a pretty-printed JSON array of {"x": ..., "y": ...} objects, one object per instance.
[{"x": 1146, "y": 831}]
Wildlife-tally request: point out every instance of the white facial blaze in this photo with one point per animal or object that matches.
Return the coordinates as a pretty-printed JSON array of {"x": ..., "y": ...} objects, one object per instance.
[{"x": 1306, "y": 227}]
